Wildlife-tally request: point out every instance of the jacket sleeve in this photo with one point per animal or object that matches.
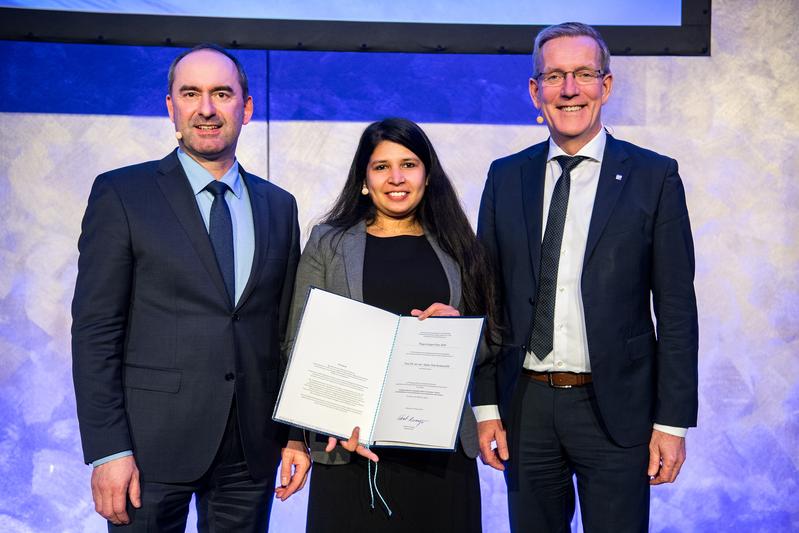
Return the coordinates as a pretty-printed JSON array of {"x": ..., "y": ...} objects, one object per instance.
[
  {"x": 484, "y": 391},
  {"x": 674, "y": 304},
  {"x": 99, "y": 320}
]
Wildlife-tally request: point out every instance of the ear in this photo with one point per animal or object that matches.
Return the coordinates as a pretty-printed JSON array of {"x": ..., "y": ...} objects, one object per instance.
[
  {"x": 248, "y": 110},
  {"x": 169, "y": 109},
  {"x": 607, "y": 86},
  {"x": 534, "y": 93}
]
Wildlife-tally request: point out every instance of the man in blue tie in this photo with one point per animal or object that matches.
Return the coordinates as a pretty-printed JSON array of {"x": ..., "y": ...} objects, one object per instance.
[
  {"x": 587, "y": 234},
  {"x": 185, "y": 274}
]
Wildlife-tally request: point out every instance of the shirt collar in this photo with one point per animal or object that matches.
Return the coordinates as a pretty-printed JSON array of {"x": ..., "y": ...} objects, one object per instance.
[
  {"x": 199, "y": 177},
  {"x": 593, "y": 149}
]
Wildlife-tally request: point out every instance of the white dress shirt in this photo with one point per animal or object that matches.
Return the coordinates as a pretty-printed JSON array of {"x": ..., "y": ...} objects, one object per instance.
[{"x": 569, "y": 340}]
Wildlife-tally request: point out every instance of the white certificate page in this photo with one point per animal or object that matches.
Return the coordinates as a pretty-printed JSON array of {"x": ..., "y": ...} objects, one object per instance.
[
  {"x": 337, "y": 367},
  {"x": 428, "y": 378}
]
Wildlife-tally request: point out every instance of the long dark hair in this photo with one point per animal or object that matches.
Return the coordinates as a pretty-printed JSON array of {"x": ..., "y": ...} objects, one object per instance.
[{"x": 439, "y": 211}]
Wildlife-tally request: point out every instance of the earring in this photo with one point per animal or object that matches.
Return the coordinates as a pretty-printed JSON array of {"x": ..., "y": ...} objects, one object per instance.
[
  {"x": 539, "y": 119},
  {"x": 364, "y": 190}
]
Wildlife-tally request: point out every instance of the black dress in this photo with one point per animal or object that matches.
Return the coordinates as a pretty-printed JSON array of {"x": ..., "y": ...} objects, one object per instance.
[{"x": 427, "y": 491}]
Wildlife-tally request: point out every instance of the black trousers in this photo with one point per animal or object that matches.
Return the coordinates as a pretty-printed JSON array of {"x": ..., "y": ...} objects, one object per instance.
[
  {"x": 228, "y": 499},
  {"x": 559, "y": 434}
]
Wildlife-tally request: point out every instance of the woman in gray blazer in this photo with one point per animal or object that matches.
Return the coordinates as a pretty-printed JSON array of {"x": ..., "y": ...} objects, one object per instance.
[{"x": 396, "y": 238}]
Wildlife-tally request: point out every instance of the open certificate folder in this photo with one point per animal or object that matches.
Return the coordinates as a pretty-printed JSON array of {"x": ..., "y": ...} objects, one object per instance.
[{"x": 402, "y": 380}]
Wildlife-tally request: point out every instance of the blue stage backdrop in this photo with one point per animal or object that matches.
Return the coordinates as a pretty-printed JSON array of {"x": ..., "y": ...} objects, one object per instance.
[{"x": 70, "y": 112}]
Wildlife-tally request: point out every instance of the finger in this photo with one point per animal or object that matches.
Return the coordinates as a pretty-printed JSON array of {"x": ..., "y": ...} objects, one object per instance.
[
  {"x": 292, "y": 487},
  {"x": 416, "y": 312},
  {"x": 97, "y": 496},
  {"x": 666, "y": 474},
  {"x": 134, "y": 490},
  {"x": 490, "y": 459},
  {"x": 119, "y": 501},
  {"x": 331, "y": 443},
  {"x": 430, "y": 311},
  {"x": 285, "y": 469},
  {"x": 352, "y": 443},
  {"x": 106, "y": 508},
  {"x": 366, "y": 452}
]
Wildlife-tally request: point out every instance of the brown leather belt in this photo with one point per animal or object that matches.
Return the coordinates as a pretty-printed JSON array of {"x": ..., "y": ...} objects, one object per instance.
[{"x": 559, "y": 380}]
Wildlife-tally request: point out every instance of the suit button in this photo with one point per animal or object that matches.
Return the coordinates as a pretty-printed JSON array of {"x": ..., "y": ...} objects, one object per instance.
[
  {"x": 230, "y": 376},
  {"x": 236, "y": 317}
]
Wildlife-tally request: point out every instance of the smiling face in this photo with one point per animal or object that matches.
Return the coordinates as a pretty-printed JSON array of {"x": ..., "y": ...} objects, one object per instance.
[
  {"x": 395, "y": 177},
  {"x": 207, "y": 106},
  {"x": 572, "y": 110}
]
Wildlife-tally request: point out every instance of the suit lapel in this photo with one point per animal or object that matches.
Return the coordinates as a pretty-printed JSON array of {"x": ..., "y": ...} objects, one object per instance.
[
  {"x": 175, "y": 186},
  {"x": 259, "y": 202},
  {"x": 353, "y": 249},
  {"x": 532, "y": 186},
  {"x": 612, "y": 178}
]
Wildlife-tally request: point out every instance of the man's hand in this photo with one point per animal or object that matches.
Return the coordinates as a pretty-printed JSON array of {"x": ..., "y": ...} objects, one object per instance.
[
  {"x": 112, "y": 483},
  {"x": 490, "y": 431},
  {"x": 666, "y": 456},
  {"x": 293, "y": 457},
  {"x": 436, "y": 309},
  {"x": 352, "y": 445}
]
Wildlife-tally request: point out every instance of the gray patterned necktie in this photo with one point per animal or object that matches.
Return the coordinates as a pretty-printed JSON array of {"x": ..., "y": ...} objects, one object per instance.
[{"x": 543, "y": 322}]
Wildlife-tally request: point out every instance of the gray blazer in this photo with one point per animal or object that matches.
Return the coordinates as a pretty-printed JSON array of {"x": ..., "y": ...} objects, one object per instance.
[{"x": 333, "y": 260}]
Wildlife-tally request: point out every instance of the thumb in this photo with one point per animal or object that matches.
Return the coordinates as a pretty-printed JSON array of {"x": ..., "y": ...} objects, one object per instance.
[
  {"x": 331, "y": 443},
  {"x": 134, "y": 490},
  {"x": 502, "y": 446},
  {"x": 654, "y": 463}
]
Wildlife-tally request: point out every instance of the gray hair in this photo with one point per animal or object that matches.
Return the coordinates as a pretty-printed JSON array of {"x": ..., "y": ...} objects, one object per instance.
[
  {"x": 569, "y": 29},
  {"x": 245, "y": 86}
]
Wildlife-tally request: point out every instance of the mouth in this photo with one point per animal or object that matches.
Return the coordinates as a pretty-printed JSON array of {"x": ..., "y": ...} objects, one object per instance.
[
  {"x": 570, "y": 108},
  {"x": 207, "y": 127},
  {"x": 397, "y": 195}
]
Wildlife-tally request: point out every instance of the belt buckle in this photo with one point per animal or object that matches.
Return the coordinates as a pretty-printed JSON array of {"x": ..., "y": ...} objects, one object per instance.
[{"x": 553, "y": 385}]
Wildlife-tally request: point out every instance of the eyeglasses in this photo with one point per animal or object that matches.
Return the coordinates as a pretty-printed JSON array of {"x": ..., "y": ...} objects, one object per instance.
[{"x": 556, "y": 78}]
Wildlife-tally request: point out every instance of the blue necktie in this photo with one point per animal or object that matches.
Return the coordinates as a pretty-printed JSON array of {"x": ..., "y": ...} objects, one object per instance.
[
  {"x": 544, "y": 320},
  {"x": 221, "y": 232}
]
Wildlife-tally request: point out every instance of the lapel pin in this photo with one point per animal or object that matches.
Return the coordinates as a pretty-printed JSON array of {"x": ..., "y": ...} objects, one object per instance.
[{"x": 618, "y": 177}]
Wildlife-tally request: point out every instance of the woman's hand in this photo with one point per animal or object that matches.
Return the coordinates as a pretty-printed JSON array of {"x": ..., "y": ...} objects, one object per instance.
[
  {"x": 437, "y": 309},
  {"x": 352, "y": 445}
]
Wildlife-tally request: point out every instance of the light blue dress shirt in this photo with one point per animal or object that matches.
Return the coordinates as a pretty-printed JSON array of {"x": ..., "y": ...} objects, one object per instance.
[{"x": 238, "y": 201}]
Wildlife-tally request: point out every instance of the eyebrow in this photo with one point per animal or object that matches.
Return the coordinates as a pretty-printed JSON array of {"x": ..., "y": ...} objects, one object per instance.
[
  {"x": 226, "y": 88},
  {"x": 584, "y": 67},
  {"x": 401, "y": 160}
]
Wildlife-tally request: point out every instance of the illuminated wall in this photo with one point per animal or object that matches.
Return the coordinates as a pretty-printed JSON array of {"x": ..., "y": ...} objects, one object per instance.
[{"x": 69, "y": 112}]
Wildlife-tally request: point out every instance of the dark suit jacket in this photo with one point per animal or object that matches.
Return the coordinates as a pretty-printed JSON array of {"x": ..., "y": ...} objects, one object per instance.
[
  {"x": 333, "y": 260},
  {"x": 639, "y": 249},
  {"x": 157, "y": 350}
]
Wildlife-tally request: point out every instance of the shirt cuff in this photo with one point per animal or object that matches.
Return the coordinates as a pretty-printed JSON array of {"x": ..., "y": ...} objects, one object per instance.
[
  {"x": 671, "y": 430},
  {"x": 108, "y": 458},
  {"x": 486, "y": 412}
]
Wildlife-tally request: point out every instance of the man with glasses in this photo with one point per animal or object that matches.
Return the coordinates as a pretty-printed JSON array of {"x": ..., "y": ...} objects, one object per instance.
[{"x": 588, "y": 235}]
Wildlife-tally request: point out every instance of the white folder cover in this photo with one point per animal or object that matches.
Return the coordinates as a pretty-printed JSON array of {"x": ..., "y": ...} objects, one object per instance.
[{"x": 402, "y": 380}]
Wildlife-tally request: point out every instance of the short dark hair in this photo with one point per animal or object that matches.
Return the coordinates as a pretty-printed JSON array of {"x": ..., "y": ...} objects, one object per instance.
[
  {"x": 439, "y": 212},
  {"x": 245, "y": 86},
  {"x": 570, "y": 29}
]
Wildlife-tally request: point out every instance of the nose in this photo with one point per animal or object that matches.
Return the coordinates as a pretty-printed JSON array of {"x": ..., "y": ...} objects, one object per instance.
[
  {"x": 570, "y": 87},
  {"x": 207, "y": 108},
  {"x": 396, "y": 177}
]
